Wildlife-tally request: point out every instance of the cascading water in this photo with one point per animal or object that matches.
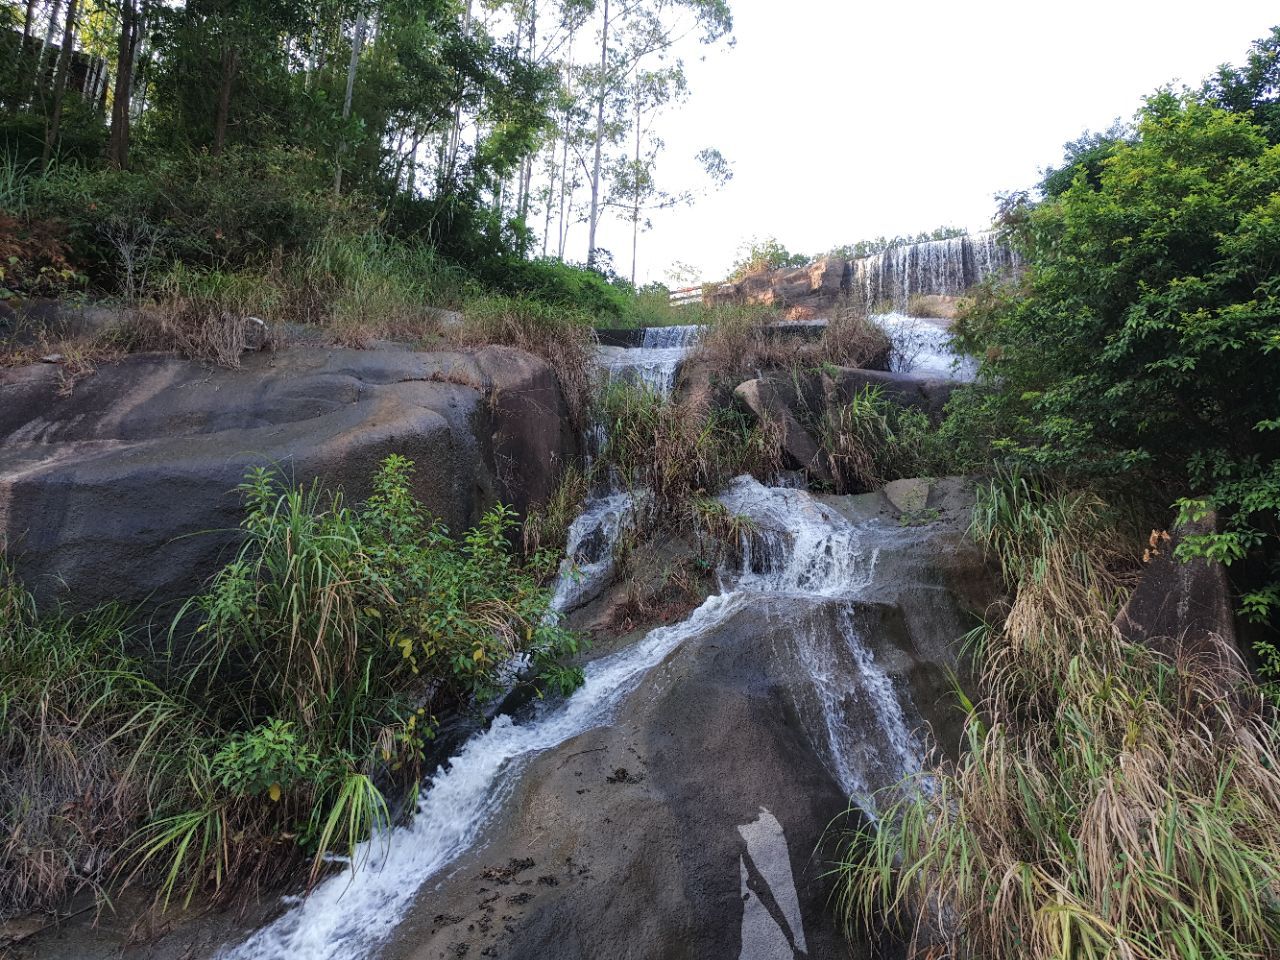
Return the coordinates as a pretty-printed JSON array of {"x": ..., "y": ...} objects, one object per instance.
[
  {"x": 924, "y": 347},
  {"x": 800, "y": 553},
  {"x": 803, "y": 550},
  {"x": 656, "y": 362},
  {"x": 945, "y": 267}
]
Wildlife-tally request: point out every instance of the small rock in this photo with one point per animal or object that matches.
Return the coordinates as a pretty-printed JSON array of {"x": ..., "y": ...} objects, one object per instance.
[
  {"x": 52, "y": 358},
  {"x": 909, "y": 496}
]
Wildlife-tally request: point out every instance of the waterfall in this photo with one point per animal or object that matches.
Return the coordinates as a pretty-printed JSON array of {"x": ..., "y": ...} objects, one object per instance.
[
  {"x": 666, "y": 338},
  {"x": 656, "y": 362},
  {"x": 945, "y": 267},
  {"x": 807, "y": 552},
  {"x": 801, "y": 556}
]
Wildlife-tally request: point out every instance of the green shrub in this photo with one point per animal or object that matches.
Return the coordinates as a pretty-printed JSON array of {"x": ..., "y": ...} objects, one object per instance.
[
  {"x": 1149, "y": 289},
  {"x": 293, "y": 699},
  {"x": 565, "y": 285}
]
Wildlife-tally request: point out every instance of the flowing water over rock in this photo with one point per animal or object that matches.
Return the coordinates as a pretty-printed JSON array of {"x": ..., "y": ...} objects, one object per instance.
[
  {"x": 743, "y": 729},
  {"x": 806, "y": 562},
  {"x": 924, "y": 347},
  {"x": 943, "y": 267},
  {"x": 656, "y": 362}
]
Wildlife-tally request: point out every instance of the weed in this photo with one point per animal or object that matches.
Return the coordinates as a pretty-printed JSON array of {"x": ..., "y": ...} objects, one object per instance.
[
  {"x": 1111, "y": 801},
  {"x": 289, "y": 708}
]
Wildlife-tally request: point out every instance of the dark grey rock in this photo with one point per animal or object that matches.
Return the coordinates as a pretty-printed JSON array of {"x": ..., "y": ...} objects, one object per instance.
[
  {"x": 126, "y": 488},
  {"x": 1181, "y": 608}
]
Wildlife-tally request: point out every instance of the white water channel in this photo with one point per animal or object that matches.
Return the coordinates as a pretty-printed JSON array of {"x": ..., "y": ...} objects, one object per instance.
[{"x": 801, "y": 548}]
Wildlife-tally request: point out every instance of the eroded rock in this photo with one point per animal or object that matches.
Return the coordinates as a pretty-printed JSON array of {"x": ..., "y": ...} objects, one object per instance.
[{"x": 126, "y": 489}]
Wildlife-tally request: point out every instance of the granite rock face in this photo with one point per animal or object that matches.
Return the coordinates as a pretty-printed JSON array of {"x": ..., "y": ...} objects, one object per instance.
[{"x": 125, "y": 489}]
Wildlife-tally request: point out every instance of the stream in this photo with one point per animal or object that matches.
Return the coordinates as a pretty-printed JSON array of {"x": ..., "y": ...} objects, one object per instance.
[{"x": 806, "y": 556}]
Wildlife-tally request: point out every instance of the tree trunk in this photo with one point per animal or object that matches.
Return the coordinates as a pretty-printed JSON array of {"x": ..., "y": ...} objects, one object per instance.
[
  {"x": 60, "y": 86},
  {"x": 564, "y": 162},
  {"x": 455, "y": 131},
  {"x": 42, "y": 61},
  {"x": 118, "y": 147},
  {"x": 595, "y": 170},
  {"x": 635, "y": 191},
  {"x": 357, "y": 41},
  {"x": 551, "y": 192},
  {"x": 28, "y": 22},
  {"x": 230, "y": 67}
]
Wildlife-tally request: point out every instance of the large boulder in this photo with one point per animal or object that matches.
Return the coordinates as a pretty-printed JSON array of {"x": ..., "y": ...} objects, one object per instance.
[
  {"x": 124, "y": 487},
  {"x": 700, "y": 821},
  {"x": 926, "y": 393},
  {"x": 770, "y": 406},
  {"x": 1181, "y": 608},
  {"x": 817, "y": 287}
]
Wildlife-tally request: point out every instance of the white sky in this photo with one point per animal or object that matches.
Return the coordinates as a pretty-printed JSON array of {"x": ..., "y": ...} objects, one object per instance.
[{"x": 848, "y": 119}]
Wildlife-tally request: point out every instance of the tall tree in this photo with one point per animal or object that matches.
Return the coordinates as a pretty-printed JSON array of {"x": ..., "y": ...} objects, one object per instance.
[
  {"x": 121, "y": 103},
  {"x": 63, "y": 70}
]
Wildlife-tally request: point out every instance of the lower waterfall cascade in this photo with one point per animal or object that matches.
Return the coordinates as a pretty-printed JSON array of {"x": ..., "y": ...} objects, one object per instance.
[{"x": 800, "y": 552}]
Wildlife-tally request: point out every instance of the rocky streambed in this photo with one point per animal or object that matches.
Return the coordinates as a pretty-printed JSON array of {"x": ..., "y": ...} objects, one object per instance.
[
  {"x": 679, "y": 804},
  {"x": 688, "y": 799}
]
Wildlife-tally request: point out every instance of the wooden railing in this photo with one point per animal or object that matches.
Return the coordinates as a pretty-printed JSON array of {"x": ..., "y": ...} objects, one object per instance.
[{"x": 687, "y": 296}]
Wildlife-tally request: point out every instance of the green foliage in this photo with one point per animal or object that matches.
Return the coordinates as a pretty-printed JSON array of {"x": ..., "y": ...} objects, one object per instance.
[
  {"x": 869, "y": 248},
  {"x": 294, "y": 697},
  {"x": 268, "y": 759},
  {"x": 86, "y": 744},
  {"x": 564, "y": 285},
  {"x": 1143, "y": 339},
  {"x": 676, "y": 452},
  {"x": 758, "y": 256}
]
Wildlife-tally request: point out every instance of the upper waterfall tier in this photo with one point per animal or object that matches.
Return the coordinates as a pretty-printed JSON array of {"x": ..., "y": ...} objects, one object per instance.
[
  {"x": 944, "y": 268},
  {"x": 937, "y": 267}
]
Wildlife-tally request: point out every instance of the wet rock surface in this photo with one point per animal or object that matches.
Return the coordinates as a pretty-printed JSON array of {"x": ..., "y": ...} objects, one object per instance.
[
  {"x": 125, "y": 488},
  {"x": 699, "y": 821}
]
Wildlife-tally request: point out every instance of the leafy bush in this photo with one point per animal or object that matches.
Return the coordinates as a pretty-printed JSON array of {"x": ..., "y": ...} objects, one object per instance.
[
  {"x": 294, "y": 697},
  {"x": 1148, "y": 293},
  {"x": 564, "y": 285},
  {"x": 33, "y": 260},
  {"x": 222, "y": 212}
]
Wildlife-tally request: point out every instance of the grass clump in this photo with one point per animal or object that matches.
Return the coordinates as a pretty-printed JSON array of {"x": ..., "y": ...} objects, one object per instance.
[
  {"x": 286, "y": 717},
  {"x": 84, "y": 741},
  {"x": 1111, "y": 801},
  {"x": 559, "y": 335},
  {"x": 741, "y": 342},
  {"x": 677, "y": 453}
]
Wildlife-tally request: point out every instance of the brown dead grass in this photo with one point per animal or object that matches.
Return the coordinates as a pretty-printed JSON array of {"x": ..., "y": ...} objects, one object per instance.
[{"x": 742, "y": 343}]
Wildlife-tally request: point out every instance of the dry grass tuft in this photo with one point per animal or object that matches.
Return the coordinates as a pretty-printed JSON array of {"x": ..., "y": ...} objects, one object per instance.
[
  {"x": 741, "y": 343},
  {"x": 1111, "y": 802}
]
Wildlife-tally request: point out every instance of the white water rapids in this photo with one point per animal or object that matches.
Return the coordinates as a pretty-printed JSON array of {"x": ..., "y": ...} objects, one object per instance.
[{"x": 800, "y": 548}]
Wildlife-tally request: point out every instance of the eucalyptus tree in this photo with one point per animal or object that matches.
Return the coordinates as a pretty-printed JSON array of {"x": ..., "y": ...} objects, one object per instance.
[{"x": 645, "y": 28}]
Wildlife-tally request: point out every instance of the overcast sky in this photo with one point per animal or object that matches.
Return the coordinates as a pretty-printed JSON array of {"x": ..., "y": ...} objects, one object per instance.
[{"x": 846, "y": 119}]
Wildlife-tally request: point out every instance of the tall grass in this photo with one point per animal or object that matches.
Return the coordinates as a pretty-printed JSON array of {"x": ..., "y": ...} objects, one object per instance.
[
  {"x": 84, "y": 736},
  {"x": 1111, "y": 802},
  {"x": 285, "y": 718},
  {"x": 676, "y": 452},
  {"x": 368, "y": 285}
]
